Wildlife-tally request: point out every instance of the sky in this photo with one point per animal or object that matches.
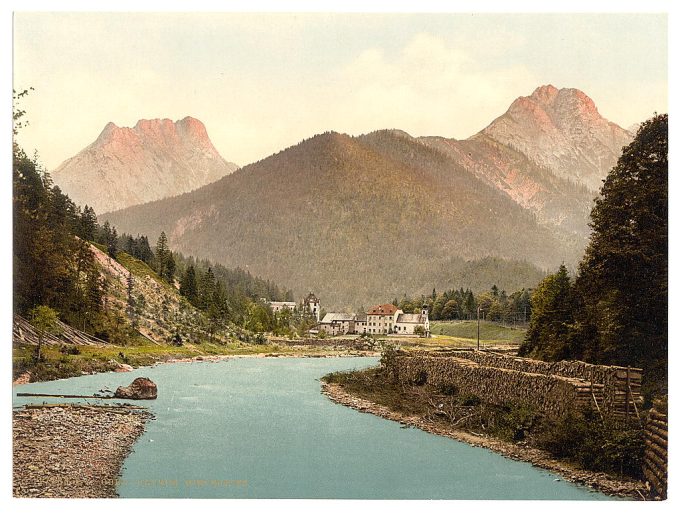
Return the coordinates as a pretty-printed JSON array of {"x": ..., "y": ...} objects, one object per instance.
[{"x": 263, "y": 82}]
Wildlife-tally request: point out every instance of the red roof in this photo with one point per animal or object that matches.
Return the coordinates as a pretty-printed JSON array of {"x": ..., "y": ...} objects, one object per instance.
[{"x": 388, "y": 309}]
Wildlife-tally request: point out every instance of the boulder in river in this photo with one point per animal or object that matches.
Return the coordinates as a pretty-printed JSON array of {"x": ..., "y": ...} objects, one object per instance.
[{"x": 140, "y": 388}]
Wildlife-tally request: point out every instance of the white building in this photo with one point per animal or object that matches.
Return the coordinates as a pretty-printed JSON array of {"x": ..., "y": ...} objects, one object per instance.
[
  {"x": 407, "y": 324},
  {"x": 313, "y": 306},
  {"x": 311, "y": 303},
  {"x": 277, "y": 306}
]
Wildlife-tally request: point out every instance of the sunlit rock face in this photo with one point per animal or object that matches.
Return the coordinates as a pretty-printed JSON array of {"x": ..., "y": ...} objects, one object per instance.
[
  {"x": 562, "y": 130},
  {"x": 155, "y": 159}
]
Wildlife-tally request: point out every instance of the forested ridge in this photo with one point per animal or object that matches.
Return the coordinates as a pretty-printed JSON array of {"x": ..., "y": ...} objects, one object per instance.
[{"x": 358, "y": 218}]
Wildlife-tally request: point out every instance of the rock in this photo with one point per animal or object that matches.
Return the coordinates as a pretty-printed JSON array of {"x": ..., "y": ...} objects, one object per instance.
[
  {"x": 140, "y": 388},
  {"x": 123, "y": 367}
]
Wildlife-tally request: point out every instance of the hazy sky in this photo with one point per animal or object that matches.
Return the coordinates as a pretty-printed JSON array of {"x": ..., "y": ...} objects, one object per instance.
[{"x": 263, "y": 82}]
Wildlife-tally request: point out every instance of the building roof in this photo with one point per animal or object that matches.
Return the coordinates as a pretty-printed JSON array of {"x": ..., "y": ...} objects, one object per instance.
[
  {"x": 311, "y": 298},
  {"x": 337, "y": 317},
  {"x": 361, "y": 317},
  {"x": 291, "y": 304},
  {"x": 411, "y": 318},
  {"x": 387, "y": 309}
]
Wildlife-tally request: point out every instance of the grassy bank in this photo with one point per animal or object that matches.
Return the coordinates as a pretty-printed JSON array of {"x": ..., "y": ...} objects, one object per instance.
[
  {"x": 465, "y": 332},
  {"x": 69, "y": 361}
]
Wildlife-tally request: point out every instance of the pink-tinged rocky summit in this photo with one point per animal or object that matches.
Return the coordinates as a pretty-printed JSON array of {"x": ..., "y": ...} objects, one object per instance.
[
  {"x": 155, "y": 159},
  {"x": 562, "y": 130}
]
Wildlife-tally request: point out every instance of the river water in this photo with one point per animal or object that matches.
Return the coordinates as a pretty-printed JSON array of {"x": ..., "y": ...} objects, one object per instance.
[{"x": 260, "y": 428}]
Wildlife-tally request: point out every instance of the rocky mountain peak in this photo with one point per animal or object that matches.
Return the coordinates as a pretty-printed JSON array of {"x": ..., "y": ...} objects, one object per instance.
[
  {"x": 154, "y": 159},
  {"x": 561, "y": 129},
  {"x": 545, "y": 94}
]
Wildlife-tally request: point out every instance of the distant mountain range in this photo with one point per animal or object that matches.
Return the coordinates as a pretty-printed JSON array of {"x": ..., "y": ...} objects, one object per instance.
[
  {"x": 364, "y": 219},
  {"x": 128, "y": 166}
]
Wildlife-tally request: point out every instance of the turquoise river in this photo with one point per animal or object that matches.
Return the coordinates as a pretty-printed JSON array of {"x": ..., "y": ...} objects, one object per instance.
[{"x": 260, "y": 428}]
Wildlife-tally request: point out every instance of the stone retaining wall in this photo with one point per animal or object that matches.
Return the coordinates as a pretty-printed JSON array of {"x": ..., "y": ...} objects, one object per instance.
[
  {"x": 350, "y": 343},
  {"x": 550, "y": 386},
  {"x": 550, "y": 394}
]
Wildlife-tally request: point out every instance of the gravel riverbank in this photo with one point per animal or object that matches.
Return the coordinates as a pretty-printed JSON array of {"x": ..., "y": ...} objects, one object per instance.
[
  {"x": 596, "y": 480},
  {"x": 72, "y": 450}
]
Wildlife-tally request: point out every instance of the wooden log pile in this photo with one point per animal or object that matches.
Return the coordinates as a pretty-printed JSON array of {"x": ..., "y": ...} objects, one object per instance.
[
  {"x": 550, "y": 394},
  {"x": 655, "y": 462},
  {"x": 24, "y": 333},
  {"x": 620, "y": 391}
]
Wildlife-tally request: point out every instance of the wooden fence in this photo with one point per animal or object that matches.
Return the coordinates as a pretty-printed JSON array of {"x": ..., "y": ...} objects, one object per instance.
[{"x": 24, "y": 333}]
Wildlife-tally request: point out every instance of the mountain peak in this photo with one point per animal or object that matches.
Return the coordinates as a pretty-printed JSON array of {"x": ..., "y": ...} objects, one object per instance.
[
  {"x": 561, "y": 129},
  {"x": 156, "y": 158},
  {"x": 545, "y": 93},
  {"x": 106, "y": 134}
]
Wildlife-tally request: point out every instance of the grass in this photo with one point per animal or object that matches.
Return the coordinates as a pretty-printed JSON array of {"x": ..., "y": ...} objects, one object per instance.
[
  {"x": 141, "y": 269},
  {"x": 57, "y": 365},
  {"x": 465, "y": 332}
]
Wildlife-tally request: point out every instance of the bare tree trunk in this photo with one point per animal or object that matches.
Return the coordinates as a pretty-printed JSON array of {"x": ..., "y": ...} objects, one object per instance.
[{"x": 39, "y": 348}]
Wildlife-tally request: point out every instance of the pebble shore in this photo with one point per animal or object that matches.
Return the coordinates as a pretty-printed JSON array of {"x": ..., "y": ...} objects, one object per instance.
[{"x": 72, "y": 451}]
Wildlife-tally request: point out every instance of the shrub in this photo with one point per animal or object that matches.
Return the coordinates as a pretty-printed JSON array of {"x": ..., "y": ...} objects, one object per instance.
[
  {"x": 470, "y": 400},
  {"x": 448, "y": 389},
  {"x": 595, "y": 444},
  {"x": 73, "y": 350},
  {"x": 515, "y": 421},
  {"x": 421, "y": 378}
]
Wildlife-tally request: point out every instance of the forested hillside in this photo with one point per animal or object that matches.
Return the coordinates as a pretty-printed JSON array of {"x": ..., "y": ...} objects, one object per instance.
[{"x": 353, "y": 219}]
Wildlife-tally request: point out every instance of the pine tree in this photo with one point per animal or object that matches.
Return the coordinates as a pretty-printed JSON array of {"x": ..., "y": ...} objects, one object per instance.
[
  {"x": 188, "y": 287},
  {"x": 105, "y": 234},
  {"x": 112, "y": 243},
  {"x": 552, "y": 319},
  {"x": 161, "y": 254},
  {"x": 206, "y": 289},
  {"x": 88, "y": 223},
  {"x": 169, "y": 272}
]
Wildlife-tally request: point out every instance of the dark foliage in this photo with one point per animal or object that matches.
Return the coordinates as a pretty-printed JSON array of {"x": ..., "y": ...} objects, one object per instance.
[{"x": 616, "y": 311}]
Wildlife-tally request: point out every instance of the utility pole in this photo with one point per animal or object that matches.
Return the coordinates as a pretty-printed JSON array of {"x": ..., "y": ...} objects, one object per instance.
[{"x": 478, "y": 307}]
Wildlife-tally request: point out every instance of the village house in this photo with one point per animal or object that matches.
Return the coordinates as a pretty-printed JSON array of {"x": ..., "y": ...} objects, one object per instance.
[
  {"x": 337, "y": 324},
  {"x": 413, "y": 324},
  {"x": 277, "y": 306},
  {"x": 381, "y": 319},
  {"x": 388, "y": 319},
  {"x": 360, "y": 323},
  {"x": 311, "y": 304}
]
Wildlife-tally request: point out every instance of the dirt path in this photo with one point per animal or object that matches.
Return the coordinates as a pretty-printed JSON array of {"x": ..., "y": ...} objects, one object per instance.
[
  {"x": 72, "y": 451},
  {"x": 596, "y": 480}
]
